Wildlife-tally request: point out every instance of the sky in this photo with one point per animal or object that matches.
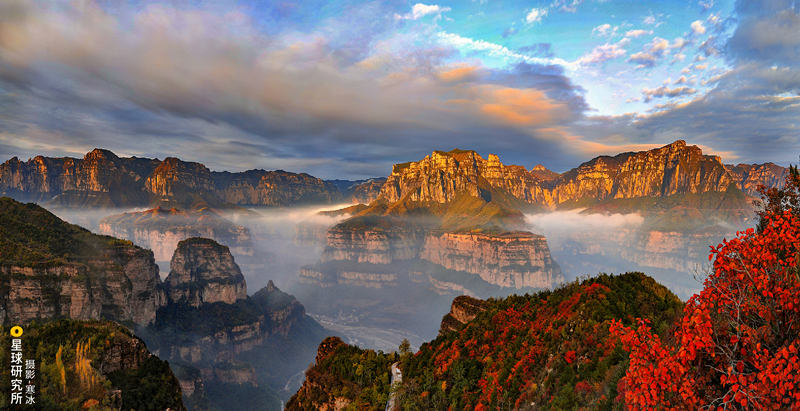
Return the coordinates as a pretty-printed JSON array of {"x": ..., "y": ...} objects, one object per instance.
[{"x": 345, "y": 89}]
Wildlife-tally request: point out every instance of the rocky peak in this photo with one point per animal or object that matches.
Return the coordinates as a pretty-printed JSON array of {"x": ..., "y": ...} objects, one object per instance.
[
  {"x": 327, "y": 347},
  {"x": 203, "y": 271},
  {"x": 173, "y": 176},
  {"x": 99, "y": 154},
  {"x": 463, "y": 310}
]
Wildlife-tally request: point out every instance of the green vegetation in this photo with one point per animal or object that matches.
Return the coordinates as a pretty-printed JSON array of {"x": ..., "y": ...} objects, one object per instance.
[
  {"x": 547, "y": 350},
  {"x": 359, "y": 377},
  {"x": 31, "y": 235},
  {"x": 76, "y": 368}
]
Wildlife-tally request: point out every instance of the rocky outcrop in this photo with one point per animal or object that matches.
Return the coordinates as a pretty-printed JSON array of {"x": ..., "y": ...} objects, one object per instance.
[
  {"x": 273, "y": 188},
  {"x": 463, "y": 310},
  {"x": 360, "y": 191},
  {"x": 103, "y": 179},
  {"x": 52, "y": 269},
  {"x": 748, "y": 177},
  {"x": 203, "y": 271},
  {"x": 173, "y": 177},
  {"x": 161, "y": 229},
  {"x": 99, "y": 179},
  {"x": 371, "y": 244},
  {"x": 315, "y": 391},
  {"x": 674, "y": 169},
  {"x": 516, "y": 260}
]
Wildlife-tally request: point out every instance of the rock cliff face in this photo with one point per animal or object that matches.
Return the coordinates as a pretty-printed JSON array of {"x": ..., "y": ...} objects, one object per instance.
[
  {"x": 674, "y": 169},
  {"x": 378, "y": 256},
  {"x": 515, "y": 260},
  {"x": 315, "y": 391},
  {"x": 441, "y": 176},
  {"x": 161, "y": 230},
  {"x": 210, "y": 327},
  {"x": 273, "y": 188},
  {"x": 749, "y": 176},
  {"x": 53, "y": 269},
  {"x": 103, "y": 179},
  {"x": 99, "y": 179},
  {"x": 463, "y": 310},
  {"x": 173, "y": 177},
  {"x": 203, "y": 271},
  {"x": 375, "y": 245}
]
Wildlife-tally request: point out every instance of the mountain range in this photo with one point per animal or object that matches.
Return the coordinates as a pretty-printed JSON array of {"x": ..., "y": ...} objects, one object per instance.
[{"x": 101, "y": 178}]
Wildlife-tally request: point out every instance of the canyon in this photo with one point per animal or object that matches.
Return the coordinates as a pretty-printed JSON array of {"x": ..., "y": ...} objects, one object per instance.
[
  {"x": 200, "y": 318},
  {"x": 160, "y": 229}
]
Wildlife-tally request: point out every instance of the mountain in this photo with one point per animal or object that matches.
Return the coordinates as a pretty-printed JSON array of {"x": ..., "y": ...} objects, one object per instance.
[
  {"x": 220, "y": 343},
  {"x": 548, "y": 350},
  {"x": 93, "y": 365},
  {"x": 102, "y": 179},
  {"x": 273, "y": 188},
  {"x": 360, "y": 191},
  {"x": 674, "y": 169},
  {"x": 53, "y": 269},
  {"x": 161, "y": 229},
  {"x": 224, "y": 345}
]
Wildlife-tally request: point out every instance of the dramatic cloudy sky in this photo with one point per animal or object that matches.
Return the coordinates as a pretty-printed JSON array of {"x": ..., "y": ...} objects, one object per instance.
[{"x": 346, "y": 88}]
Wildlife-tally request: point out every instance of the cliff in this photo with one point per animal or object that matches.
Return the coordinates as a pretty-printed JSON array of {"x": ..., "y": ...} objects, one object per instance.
[
  {"x": 203, "y": 271},
  {"x": 273, "y": 188},
  {"x": 99, "y": 179},
  {"x": 161, "y": 229},
  {"x": 102, "y": 179},
  {"x": 103, "y": 364},
  {"x": 748, "y": 177},
  {"x": 53, "y": 269},
  {"x": 516, "y": 260},
  {"x": 226, "y": 343},
  {"x": 360, "y": 191},
  {"x": 550, "y": 350},
  {"x": 673, "y": 169},
  {"x": 463, "y": 310}
]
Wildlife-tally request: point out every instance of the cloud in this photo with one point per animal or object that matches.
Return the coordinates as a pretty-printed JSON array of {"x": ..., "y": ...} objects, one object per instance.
[
  {"x": 664, "y": 91},
  {"x": 706, "y": 5},
  {"x": 601, "y": 54},
  {"x": 569, "y": 6},
  {"x": 651, "y": 53},
  {"x": 535, "y": 15},
  {"x": 562, "y": 222},
  {"x": 637, "y": 33},
  {"x": 212, "y": 87},
  {"x": 698, "y": 28},
  {"x": 495, "y": 50},
  {"x": 420, "y": 10},
  {"x": 604, "y": 30}
]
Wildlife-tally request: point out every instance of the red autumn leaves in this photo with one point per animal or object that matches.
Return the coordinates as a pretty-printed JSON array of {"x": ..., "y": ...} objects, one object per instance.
[{"x": 737, "y": 343}]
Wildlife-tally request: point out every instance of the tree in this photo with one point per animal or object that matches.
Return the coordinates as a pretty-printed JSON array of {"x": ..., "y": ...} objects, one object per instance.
[
  {"x": 405, "y": 347},
  {"x": 737, "y": 343},
  {"x": 776, "y": 200}
]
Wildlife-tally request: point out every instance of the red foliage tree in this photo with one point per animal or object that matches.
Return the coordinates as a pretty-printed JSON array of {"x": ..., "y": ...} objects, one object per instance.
[{"x": 737, "y": 343}]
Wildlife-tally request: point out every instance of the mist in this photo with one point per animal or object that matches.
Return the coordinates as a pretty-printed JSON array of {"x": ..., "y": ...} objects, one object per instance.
[{"x": 587, "y": 244}]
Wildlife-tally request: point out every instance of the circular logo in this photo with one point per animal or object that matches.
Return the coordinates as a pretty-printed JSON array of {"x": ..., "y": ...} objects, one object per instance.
[{"x": 16, "y": 331}]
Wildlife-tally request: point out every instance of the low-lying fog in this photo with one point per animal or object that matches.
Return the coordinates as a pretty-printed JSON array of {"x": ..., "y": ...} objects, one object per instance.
[
  {"x": 587, "y": 244},
  {"x": 283, "y": 239}
]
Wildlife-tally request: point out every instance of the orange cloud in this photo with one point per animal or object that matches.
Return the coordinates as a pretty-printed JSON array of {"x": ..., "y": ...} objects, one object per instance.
[
  {"x": 519, "y": 107},
  {"x": 458, "y": 73}
]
